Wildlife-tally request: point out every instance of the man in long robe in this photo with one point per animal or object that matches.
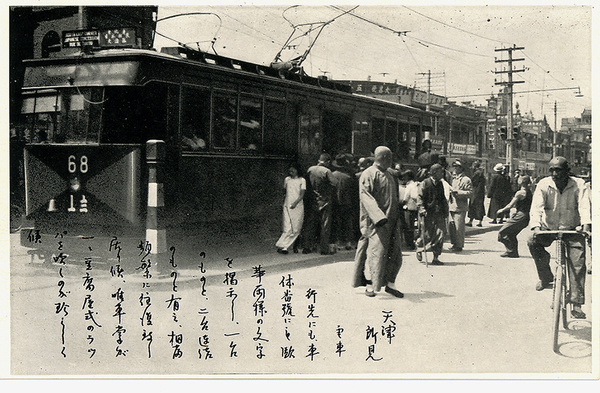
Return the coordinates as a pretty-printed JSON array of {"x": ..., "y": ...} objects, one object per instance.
[
  {"x": 380, "y": 227},
  {"x": 476, "y": 208}
]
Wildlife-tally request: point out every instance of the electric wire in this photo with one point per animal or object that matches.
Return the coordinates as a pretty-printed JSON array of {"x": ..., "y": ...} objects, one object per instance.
[{"x": 453, "y": 27}]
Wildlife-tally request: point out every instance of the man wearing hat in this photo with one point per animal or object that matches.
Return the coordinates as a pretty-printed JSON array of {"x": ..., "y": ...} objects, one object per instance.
[
  {"x": 460, "y": 193},
  {"x": 321, "y": 194},
  {"x": 425, "y": 160},
  {"x": 561, "y": 201},
  {"x": 498, "y": 187},
  {"x": 343, "y": 209}
]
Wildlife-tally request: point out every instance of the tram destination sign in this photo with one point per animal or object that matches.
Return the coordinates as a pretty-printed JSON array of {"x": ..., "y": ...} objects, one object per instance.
[
  {"x": 81, "y": 38},
  {"x": 122, "y": 37}
]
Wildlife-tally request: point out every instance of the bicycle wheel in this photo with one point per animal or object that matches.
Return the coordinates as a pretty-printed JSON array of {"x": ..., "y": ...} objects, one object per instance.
[{"x": 557, "y": 305}]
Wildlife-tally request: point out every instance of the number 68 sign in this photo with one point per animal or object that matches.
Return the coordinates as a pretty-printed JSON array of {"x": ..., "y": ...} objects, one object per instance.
[{"x": 72, "y": 164}]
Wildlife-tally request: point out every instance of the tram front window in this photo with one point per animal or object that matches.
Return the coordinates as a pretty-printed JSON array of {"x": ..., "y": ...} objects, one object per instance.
[{"x": 62, "y": 116}]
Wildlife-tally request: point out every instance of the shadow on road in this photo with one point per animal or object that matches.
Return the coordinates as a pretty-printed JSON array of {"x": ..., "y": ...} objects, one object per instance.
[
  {"x": 579, "y": 340},
  {"x": 423, "y": 296}
]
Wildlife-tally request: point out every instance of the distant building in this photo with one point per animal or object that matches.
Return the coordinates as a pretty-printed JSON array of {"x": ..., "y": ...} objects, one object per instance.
[
  {"x": 458, "y": 130},
  {"x": 574, "y": 141}
]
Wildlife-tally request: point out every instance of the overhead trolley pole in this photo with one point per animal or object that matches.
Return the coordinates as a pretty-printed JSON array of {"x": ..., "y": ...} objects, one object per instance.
[{"x": 509, "y": 85}]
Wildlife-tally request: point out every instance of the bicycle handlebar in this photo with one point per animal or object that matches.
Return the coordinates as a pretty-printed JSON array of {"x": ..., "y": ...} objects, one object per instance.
[{"x": 560, "y": 232}]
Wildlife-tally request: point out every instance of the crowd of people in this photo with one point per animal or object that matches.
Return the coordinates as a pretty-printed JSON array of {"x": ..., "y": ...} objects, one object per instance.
[{"x": 381, "y": 209}]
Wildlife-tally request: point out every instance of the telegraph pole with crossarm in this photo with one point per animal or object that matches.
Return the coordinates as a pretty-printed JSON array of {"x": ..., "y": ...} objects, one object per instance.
[{"x": 509, "y": 85}]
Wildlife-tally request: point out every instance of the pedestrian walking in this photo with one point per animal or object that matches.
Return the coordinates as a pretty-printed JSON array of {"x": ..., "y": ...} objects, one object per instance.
[
  {"x": 293, "y": 210},
  {"x": 461, "y": 191},
  {"x": 560, "y": 201},
  {"x": 322, "y": 186},
  {"x": 410, "y": 207},
  {"x": 496, "y": 192},
  {"x": 379, "y": 225},
  {"x": 433, "y": 207},
  {"x": 519, "y": 220},
  {"x": 476, "y": 208}
]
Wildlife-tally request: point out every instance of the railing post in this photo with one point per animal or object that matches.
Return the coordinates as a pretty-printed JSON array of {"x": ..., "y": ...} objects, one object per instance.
[{"x": 156, "y": 234}]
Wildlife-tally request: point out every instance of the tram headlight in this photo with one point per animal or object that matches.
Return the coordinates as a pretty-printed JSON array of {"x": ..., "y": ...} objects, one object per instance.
[{"x": 75, "y": 184}]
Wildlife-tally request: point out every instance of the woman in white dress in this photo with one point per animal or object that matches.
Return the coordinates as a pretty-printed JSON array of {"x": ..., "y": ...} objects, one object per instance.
[{"x": 293, "y": 210}]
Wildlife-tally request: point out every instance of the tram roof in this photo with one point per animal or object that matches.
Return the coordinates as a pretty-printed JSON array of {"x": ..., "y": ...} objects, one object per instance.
[{"x": 123, "y": 67}]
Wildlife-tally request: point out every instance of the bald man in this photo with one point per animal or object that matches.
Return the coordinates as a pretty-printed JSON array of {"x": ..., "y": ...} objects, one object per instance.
[{"x": 379, "y": 227}]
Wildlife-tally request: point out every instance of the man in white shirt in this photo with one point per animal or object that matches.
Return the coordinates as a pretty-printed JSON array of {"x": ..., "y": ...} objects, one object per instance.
[{"x": 560, "y": 202}]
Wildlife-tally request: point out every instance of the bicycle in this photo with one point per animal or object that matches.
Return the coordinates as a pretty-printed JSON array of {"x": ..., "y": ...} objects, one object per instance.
[{"x": 561, "y": 306}]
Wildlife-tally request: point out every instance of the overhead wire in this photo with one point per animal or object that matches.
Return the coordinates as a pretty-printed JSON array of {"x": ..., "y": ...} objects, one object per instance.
[
  {"x": 425, "y": 43},
  {"x": 453, "y": 27}
]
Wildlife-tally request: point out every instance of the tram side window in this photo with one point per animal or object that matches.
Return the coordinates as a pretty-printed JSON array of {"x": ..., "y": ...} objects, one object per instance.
[
  {"x": 225, "y": 121},
  {"x": 377, "y": 137},
  {"x": 250, "y": 123},
  {"x": 391, "y": 135},
  {"x": 134, "y": 114},
  {"x": 403, "y": 141},
  {"x": 280, "y": 137},
  {"x": 195, "y": 119},
  {"x": 310, "y": 131}
]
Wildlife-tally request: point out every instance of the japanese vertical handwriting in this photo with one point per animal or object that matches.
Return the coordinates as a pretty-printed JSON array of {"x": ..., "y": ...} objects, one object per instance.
[
  {"x": 287, "y": 351},
  {"x": 388, "y": 329},
  {"x": 120, "y": 330},
  {"x": 204, "y": 351},
  {"x": 116, "y": 272},
  {"x": 62, "y": 305},
  {"x": 231, "y": 282},
  {"x": 173, "y": 303},
  {"x": 311, "y": 295},
  {"x": 88, "y": 303},
  {"x": 259, "y": 295},
  {"x": 339, "y": 347}
]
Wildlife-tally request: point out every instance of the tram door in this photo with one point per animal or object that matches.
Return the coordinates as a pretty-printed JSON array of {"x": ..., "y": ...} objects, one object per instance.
[{"x": 337, "y": 132}]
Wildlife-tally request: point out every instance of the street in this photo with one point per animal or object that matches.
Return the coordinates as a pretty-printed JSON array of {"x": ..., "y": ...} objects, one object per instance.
[{"x": 479, "y": 313}]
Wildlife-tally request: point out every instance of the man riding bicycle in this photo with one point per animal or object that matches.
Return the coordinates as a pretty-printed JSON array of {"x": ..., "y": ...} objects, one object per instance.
[{"x": 560, "y": 202}]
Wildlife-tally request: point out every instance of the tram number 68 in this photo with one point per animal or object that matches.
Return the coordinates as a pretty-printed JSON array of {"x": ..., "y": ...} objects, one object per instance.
[{"x": 83, "y": 164}]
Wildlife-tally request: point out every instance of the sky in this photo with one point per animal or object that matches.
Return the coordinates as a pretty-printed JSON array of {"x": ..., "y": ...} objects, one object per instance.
[{"x": 407, "y": 40}]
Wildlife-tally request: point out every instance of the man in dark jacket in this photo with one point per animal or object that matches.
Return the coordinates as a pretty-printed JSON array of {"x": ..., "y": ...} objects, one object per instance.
[
  {"x": 433, "y": 207},
  {"x": 343, "y": 209},
  {"x": 476, "y": 208},
  {"x": 322, "y": 192}
]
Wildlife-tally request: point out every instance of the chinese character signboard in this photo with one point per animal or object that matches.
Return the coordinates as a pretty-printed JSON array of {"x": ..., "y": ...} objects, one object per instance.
[
  {"x": 121, "y": 37},
  {"x": 111, "y": 38}
]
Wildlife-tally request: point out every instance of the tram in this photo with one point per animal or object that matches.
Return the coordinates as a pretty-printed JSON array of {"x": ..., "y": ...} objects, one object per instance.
[{"x": 230, "y": 129}]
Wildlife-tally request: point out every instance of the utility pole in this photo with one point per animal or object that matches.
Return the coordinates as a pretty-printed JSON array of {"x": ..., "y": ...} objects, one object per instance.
[
  {"x": 554, "y": 133},
  {"x": 509, "y": 85},
  {"x": 428, "y": 73}
]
